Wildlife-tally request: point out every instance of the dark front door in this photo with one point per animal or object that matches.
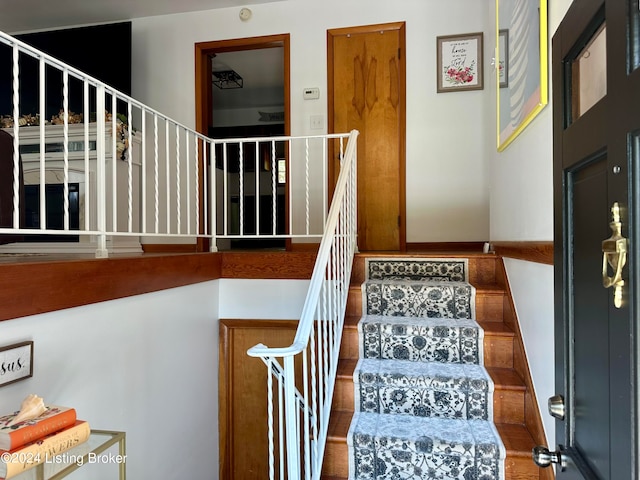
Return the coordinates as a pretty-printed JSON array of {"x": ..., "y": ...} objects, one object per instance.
[{"x": 596, "y": 104}]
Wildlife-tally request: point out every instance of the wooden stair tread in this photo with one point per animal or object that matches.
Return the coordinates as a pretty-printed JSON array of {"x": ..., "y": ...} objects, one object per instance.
[
  {"x": 351, "y": 321},
  {"x": 346, "y": 367},
  {"x": 489, "y": 289},
  {"x": 516, "y": 438},
  {"x": 496, "y": 329},
  {"x": 506, "y": 379}
]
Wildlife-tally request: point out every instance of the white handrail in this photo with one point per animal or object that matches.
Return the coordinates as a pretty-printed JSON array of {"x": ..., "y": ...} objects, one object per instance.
[{"x": 307, "y": 402}]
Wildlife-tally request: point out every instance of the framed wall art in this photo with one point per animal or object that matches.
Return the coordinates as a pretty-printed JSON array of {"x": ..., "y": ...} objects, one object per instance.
[
  {"x": 16, "y": 362},
  {"x": 459, "y": 62},
  {"x": 503, "y": 57},
  {"x": 521, "y": 26}
]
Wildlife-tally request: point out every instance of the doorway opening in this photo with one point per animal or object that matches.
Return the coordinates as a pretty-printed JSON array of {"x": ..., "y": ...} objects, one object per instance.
[{"x": 242, "y": 91}]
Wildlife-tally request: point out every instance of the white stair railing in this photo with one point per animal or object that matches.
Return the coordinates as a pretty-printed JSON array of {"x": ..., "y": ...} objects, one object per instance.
[
  {"x": 140, "y": 176},
  {"x": 302, "y": 376}
]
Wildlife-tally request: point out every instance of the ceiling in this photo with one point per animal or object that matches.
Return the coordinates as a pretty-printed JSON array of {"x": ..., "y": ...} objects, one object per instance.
[
  {"x": 262, "y": 69},
  {"x": 19, "y": 16}
]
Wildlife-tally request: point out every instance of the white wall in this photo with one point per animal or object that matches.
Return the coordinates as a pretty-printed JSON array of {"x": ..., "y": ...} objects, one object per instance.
[
  {"x": 521, "y": 206},
  {"x": 262, "y": 299},
  {"x": 145, "y": 364},
  {"x": 447, "y": 184}
]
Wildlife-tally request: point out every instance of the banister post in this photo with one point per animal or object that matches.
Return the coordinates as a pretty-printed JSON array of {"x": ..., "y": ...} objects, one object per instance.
[
  {"x": 101, "y": 174},
  {"x": 291, "y": 415}
]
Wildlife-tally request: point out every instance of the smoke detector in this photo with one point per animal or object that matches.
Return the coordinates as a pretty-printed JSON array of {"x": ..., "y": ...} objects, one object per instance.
[{"x": 245, "y": 14}]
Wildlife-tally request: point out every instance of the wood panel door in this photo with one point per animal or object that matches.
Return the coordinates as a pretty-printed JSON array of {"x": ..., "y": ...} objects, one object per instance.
[
  {"x": 366, "y": 77},
  {"x": 242, "y": 392},
  {"x": 596, "y": 84}
]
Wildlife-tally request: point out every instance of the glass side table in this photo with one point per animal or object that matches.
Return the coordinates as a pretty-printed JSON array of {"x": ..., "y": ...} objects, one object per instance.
[{"x": 91, "y": 451}]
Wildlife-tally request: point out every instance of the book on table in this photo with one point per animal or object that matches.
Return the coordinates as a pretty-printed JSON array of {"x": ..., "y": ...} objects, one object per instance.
[
  {"x": 54, "y": 418},
  {"x": 46, "y": 449}
]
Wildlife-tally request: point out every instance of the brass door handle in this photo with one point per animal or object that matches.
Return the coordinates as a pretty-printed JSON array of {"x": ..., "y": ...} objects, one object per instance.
[{"x": 614, "y": 255}]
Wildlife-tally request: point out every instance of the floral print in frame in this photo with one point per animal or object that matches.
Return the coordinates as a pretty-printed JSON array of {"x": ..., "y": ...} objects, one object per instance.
[{"x": 459, "y": 65}]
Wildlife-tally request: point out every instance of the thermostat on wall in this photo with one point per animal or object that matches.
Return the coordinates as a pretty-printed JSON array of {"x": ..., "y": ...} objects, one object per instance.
[{"x": 311, "y": 93}]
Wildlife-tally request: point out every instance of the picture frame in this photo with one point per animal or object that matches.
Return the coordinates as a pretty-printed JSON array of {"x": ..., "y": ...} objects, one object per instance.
[
  {"x": 460, "y": 62},
  {"x": 16, "y": 362},
  {"x": 503, "y": 57},
  {"x": 527, "y": 94}
]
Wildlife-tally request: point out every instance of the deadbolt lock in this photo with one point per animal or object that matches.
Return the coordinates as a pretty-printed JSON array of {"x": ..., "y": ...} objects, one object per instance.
[{"x": 556, "y": 407}]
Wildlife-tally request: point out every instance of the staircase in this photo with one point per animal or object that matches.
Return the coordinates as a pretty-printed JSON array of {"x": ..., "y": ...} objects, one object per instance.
[{"x": 501, "y": 394}]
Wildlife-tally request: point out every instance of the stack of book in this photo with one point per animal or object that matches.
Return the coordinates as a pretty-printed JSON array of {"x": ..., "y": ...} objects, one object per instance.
[{"x": 23, "y": 445}]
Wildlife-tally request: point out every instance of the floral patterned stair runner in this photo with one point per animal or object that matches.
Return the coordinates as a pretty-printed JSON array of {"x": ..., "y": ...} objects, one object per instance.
[{"x": 423, "y": 399}]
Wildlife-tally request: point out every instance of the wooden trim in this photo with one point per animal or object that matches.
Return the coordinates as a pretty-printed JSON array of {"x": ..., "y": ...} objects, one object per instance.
[
  {"x": 533, "y": 418},
  {"x": 269, "y": 265},
  {"x": 445, "y": 247},
  {"x": 45, "y": 286},
  {"x": 169, "y": 248},
  {"x": 403, "y": 135},
  {"x": 305, "y": 247},
  {"x": 539, "y": 252},
  {"x": 204, "y": 94},
  {"x": 38, "y": 284}
]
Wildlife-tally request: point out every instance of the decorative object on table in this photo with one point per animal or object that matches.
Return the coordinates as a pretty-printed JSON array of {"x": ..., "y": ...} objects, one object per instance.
[
  {"x": 14, "y": 434},
  {"x": 16, "y": 362},
  {"x": 31, "y": 407},
  {"x": 45, "y": 449},
  {"x": 459, "y": 62}
]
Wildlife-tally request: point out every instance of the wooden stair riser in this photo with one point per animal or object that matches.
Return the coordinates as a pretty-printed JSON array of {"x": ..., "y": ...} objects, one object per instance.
[
  {"x": 508, "y": 405},
  {"x": 517, "y": 467},
  {"x": 498, "y": 350},
  {"x": 336, "y": 458},
  {"x": 343, "y": 395}
]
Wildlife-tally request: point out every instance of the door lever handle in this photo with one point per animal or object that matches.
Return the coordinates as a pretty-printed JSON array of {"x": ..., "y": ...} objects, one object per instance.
[{"x": 614, "y": 255}]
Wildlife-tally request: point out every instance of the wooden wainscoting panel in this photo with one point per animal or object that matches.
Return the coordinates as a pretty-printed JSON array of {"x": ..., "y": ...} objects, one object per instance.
[
  {"x": 268, "y": 265},
  {"x": 445, "y": 247},
  {"x": 242, "y": 395},
  {"x": 40, "y": 284}
]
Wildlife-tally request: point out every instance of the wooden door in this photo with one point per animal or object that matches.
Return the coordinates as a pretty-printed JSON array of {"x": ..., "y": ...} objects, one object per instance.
[
  {"x": 366, "y": 76},
  {"x": 242, "y": 392},
  {"x": 596, "y": 84}
]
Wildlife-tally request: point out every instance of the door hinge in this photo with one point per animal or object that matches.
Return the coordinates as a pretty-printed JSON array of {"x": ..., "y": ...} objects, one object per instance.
[
  {"x": 398, "y": 220},
  {"x": 399, "y": 53}
]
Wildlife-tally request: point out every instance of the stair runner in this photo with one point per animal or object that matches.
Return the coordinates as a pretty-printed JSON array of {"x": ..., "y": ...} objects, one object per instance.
[{"x": 423, "y": 399}]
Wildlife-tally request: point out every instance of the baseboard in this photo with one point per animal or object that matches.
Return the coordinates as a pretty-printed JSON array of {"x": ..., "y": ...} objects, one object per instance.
[
  {"x": 539, "y": 252},
  {"x": 169, "y": 247},
  {"x": 303, "y": 247},
  {"x": 445, "y": 246}
]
